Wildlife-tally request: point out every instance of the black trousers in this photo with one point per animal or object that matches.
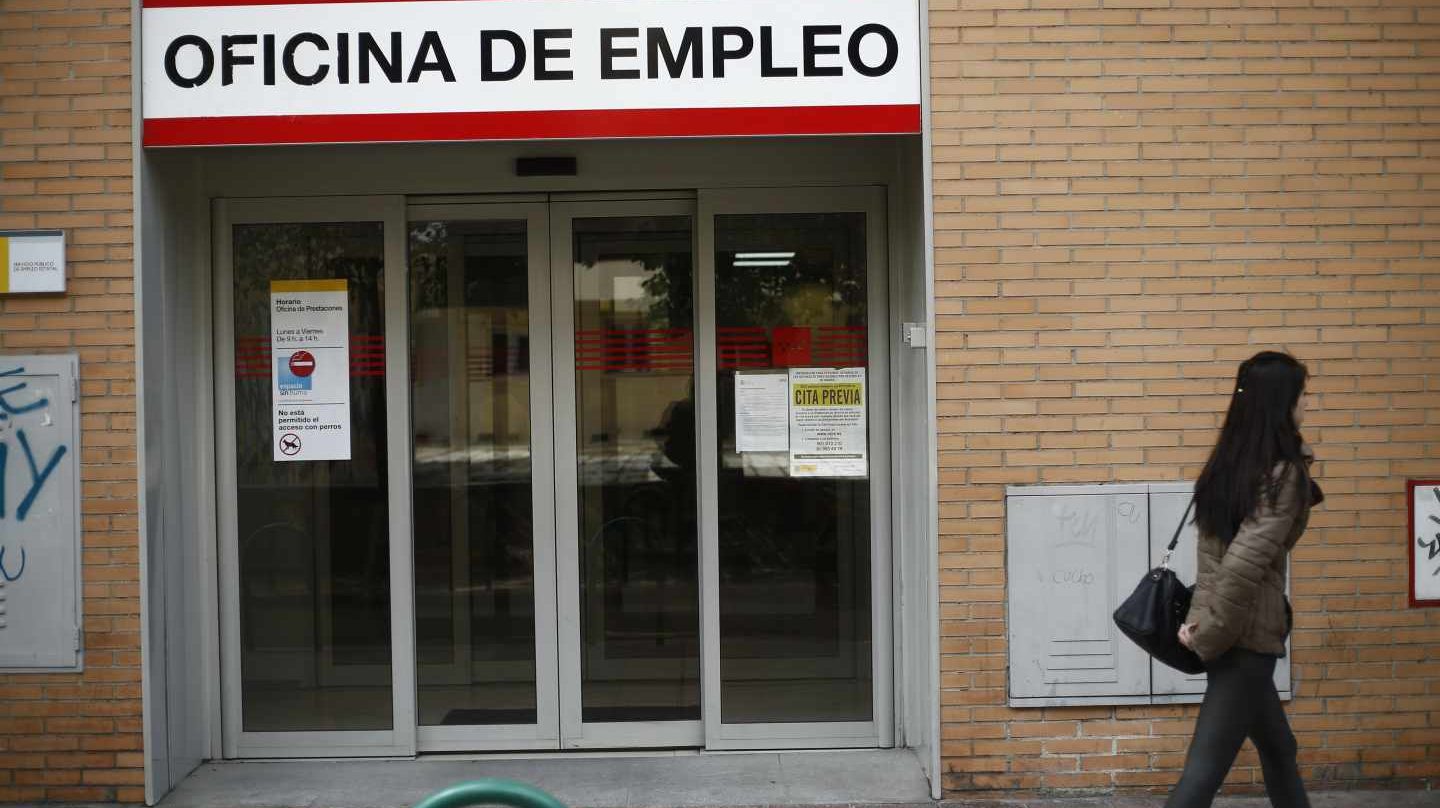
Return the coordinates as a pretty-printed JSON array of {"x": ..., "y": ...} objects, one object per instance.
[{"x": 1240, "y": 701}]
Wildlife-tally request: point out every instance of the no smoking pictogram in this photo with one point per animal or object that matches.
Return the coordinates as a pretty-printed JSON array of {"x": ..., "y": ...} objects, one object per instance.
[{"x": 290, "y": 444}]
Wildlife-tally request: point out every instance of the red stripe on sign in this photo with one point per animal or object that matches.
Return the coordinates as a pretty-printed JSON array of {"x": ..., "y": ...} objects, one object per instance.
[{"x": 877, "y": 119}]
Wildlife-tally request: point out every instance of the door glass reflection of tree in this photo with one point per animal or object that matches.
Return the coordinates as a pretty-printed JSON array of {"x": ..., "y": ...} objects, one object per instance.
[
  {"x": 636, "y": 441},
  {"x": 795, "y": 619}
]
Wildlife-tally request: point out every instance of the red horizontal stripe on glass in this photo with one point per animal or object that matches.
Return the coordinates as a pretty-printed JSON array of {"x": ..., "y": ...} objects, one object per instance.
[
  {"x": 544, "y": 125},
  {"x": 677, "y": 332},
  {"x": 658, "y": 355},
  {"x": 621, "y": 368}
]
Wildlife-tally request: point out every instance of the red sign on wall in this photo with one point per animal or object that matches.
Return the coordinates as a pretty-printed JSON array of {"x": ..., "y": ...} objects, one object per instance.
[{"x": 790, "y": 346}]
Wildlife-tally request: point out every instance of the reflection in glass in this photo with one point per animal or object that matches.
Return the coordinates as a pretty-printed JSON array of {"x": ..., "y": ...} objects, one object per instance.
[
  {"x": 474, "y": 540},
  {"x": 313, "y": 537},
  {"x": 634, "y": 387},
  {"x": 795, "y": 625}
]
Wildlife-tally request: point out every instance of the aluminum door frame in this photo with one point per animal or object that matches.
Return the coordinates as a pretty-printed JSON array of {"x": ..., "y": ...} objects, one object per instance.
[
  {"x": 545, "y": 732},
  {"x": 576, "y": 733},
  {"x": 400, "y": 739},
  {"x": 880, "y": 730}
]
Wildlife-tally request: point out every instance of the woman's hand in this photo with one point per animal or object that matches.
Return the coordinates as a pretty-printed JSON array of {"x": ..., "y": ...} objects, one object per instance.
[{"x": 1186, "y": 632}]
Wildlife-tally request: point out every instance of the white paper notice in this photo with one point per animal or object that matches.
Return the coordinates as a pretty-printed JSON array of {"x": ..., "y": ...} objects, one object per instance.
[
  {"x": 827, "y": 422},
  {"x": 762, "y": 412},
  {"x": 310, "y": 343}
]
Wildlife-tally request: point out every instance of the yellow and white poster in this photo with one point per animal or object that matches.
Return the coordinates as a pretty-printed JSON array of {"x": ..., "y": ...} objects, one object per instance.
[
  {"x": 310, "y": 390},
  {"x": 828, "y": 423},
  {"x": 32, "y": 261}
]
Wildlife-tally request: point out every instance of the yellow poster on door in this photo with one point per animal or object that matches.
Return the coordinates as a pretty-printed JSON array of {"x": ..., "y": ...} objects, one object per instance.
[{"x": 828, "y": 436}]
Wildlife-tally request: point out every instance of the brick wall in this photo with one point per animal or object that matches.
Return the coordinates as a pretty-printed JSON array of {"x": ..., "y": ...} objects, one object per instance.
[
  {"x": 65, "y": 163},
  {"x": 1131, "y": 197}
]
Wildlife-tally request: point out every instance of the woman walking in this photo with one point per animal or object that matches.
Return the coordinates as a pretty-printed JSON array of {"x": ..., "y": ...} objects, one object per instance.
[{"x": 1252, "y": 502}]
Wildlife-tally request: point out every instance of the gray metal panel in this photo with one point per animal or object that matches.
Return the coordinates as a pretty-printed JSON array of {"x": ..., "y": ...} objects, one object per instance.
[
  {"x": 39, "y": 513},
  {"x": 1071, "y": 559},
  {"x": 1094, "y": 701},
  {"x": 1167, "y": 505},
  {"x": 1166, "y": 508},
  {"x": 914, "y": 477},
  {"x": 176, "y": 488},
  {"x": 1075, "y": 490}
]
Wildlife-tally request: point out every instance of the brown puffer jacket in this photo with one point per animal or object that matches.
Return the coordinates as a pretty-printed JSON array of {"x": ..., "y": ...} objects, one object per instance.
[{"x": 1240, "y": 590}]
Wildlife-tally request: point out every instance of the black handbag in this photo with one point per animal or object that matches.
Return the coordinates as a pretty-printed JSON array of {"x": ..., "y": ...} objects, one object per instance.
[{"x": 1154, "y": 612}]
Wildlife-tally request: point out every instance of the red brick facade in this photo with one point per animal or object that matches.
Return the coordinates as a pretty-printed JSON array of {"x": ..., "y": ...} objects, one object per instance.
[
  {"x": 1131, "y": 197},
  {"x": 65, "y": 145}
]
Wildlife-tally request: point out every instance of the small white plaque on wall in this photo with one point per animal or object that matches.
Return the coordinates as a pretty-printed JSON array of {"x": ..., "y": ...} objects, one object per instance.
[{"x": 32, "y": 262}]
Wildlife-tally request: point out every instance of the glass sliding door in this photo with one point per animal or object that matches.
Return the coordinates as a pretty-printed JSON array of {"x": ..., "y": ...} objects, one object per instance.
[
  {"x": 613, "y": 473},
  {"x": 313, "y": 516},
  {"x": 795, "y": 468},
  {"x": 484, "y": 538},
  {"x": 626, "y": 473}
]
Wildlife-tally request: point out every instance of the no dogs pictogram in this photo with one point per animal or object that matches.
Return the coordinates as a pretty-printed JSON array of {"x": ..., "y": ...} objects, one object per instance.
[{"x": 290, "y": 444}]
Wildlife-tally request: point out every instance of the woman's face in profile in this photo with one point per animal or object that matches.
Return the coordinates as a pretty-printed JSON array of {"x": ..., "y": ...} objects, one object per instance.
[{"x": 1300, "y": 406}]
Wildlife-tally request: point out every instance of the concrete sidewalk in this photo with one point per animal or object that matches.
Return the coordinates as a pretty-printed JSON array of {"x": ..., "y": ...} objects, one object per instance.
[
  {"x": 881, "y": 778},
  {"x": 1318, "y": 799},
  {"x": 890, "y": 777}
]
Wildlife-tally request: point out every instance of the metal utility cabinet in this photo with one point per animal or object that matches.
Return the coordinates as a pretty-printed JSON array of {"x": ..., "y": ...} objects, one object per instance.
[
  {"x": 39, "y": 513},
  {"x": 1073, "y": 553}
]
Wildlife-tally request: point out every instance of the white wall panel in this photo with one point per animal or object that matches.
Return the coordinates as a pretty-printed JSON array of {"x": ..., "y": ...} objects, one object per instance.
[{"x": 39, "y": 513}]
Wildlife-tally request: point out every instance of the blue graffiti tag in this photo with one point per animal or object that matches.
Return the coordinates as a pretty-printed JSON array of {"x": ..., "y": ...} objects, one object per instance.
[
  {"x": 4, "y": 573},
  {"x": 7, "y": 409},
  {"x": 38, "y": 475}
]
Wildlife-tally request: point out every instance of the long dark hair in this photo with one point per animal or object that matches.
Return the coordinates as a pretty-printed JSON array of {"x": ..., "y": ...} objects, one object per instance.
[{"x": 1259, "y": 434}]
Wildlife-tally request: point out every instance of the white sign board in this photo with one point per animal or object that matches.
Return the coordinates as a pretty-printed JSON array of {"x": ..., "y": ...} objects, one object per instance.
[
  {"x": 762, "y": 412},
  {"x": 1424, "y": 497},
  {"x": 310, "y": 389},
  {"x": 827, "y": 422},
  {"x": 32, "y": 261},
  {"x": 227, "y": 71}
]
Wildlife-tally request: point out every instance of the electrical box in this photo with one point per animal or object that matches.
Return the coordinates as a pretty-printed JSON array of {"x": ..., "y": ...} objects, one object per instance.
[
  {"x": 1073, "y": 554},
  {"x": 40, "y": 597},
  {"x": 1071, "y": 551}
]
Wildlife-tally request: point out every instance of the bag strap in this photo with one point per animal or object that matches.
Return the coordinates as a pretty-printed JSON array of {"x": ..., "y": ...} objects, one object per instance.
[{"x": 1175, "y": 540}]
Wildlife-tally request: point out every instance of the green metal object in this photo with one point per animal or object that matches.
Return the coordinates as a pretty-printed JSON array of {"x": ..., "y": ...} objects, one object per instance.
[{"x": 491, "y": 791}]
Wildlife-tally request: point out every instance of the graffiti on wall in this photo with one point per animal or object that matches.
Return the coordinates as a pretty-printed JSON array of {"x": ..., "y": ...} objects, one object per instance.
[
  {"x": 1431, "y": 547},
  {"x": 22, "y": 445}
]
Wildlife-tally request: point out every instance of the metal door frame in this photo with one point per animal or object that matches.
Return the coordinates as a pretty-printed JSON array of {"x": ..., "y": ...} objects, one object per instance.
[
  {"x": 879, "y": 731},
  {"x": 576, "y": 733},
  {"x": 400, "y": 740},
  {"x": 545, "y": 732},
  {"x": 558, "y": 659}
]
